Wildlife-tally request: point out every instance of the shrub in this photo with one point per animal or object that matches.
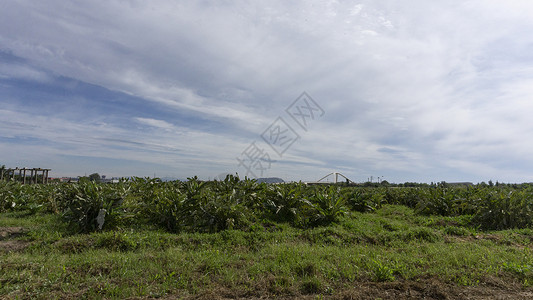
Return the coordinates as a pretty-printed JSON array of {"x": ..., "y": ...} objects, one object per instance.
[
  {"x": 328, "y": 206},
  {"x": 436, "y": 201},
  {"x": 287, "y": 203},
  {"x": 505, "y": 209},
  {"x": 90, "y": 206},
  {"x": 365, "y": 200},
  {"x": 9, "y": 193}
]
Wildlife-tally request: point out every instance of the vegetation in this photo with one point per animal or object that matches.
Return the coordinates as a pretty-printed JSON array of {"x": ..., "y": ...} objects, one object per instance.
[{"x": 240, "y": 238}]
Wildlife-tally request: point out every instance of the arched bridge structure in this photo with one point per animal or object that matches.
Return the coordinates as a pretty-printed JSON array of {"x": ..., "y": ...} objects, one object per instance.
[{"x": 335, "y": 179}]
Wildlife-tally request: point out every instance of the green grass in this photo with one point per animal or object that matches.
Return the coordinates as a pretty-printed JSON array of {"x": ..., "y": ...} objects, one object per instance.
[{"x": 390, "y": 245}]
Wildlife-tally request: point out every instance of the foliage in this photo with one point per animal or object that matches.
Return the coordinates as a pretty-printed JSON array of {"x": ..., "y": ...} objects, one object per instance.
[
  {"x": 502, "y": 209},
  {"x": 90, "y": 206},
  {"x": 364, "y": 199},
  {"x": 8, "y": 194},
  {"x": 232, "y": 203},
  {"x": 328, "y": 205},
  {"x": 198, "y": 206},
  {"x": 95, "y": 177},
  {"x": 221, "y": 206},
  {"x": 287, "y": 203}
]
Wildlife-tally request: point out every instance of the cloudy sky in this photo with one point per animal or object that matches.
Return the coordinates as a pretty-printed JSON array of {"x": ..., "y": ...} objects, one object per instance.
[{"x": 403, "y": 90}]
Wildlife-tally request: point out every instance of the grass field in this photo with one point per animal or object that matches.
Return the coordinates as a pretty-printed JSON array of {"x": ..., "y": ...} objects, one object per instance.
[{"x": 389, "y": 253}]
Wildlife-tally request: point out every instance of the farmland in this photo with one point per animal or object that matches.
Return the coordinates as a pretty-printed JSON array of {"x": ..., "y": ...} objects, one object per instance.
[{"x": 143, "y": 238}]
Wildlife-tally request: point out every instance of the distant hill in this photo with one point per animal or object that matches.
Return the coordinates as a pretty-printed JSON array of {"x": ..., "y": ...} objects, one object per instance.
[{"x": 270, "y": 180}]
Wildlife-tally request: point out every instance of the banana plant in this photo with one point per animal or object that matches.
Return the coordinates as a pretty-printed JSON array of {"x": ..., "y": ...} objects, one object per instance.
[
  {"x": 90, "y": 206},
  {"x": 329, "y": 205},
  {"x": 288, "y": 203}
]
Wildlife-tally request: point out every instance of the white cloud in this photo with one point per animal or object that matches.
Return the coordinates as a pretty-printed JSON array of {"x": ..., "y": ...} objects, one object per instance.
[
  {"x": 156, "y": 123},
  {"x": 402, "y": 85},
  {"x": 15, "y": 71}
]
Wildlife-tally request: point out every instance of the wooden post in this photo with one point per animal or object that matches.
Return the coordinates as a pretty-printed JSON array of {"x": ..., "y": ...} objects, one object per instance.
[{"x": 27, "y": 175}]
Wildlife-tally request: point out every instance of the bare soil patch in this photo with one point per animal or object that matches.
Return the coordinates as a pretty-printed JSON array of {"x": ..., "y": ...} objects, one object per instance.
[
  {"x": 426, "y": 288},
  {"x": 11, "y": 232},
  {"x": 434, "y": 289},
  {"x": 8, "y": 240}
]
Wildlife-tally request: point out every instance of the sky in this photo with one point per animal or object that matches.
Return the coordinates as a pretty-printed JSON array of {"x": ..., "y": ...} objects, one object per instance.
[{"x": 418, "y": 91}]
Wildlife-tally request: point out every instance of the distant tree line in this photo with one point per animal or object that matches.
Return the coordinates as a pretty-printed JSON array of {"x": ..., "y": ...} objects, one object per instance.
[{"x": 94, "y": 177}]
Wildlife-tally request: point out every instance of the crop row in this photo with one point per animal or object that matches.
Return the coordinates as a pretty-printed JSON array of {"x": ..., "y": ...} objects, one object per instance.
[{"x": 198, "y": 206}]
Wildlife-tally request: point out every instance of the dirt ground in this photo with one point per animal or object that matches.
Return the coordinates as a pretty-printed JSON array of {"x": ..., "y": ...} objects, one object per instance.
[
  {"x": 434, "y": 289},
  {"x": 423, "y": 289},
  {"x": 8, "y": 242}
]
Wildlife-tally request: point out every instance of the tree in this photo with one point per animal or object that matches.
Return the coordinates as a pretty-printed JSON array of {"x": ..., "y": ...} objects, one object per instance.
[{"x": 94, "y": 177}]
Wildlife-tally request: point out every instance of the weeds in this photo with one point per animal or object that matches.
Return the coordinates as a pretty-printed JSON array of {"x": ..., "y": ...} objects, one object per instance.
[{"x": 285, "y": 262}]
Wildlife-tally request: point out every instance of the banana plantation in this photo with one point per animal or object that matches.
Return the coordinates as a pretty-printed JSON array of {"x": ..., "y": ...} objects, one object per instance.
[{"x": 232, "y": 203}]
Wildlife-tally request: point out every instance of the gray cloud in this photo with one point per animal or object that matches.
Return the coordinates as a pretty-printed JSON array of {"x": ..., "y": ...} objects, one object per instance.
[{"x": 427, "y": 89}]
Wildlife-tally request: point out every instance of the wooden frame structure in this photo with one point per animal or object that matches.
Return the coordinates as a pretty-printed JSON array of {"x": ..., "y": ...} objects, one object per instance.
[{"x": 10, "y": 173}]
